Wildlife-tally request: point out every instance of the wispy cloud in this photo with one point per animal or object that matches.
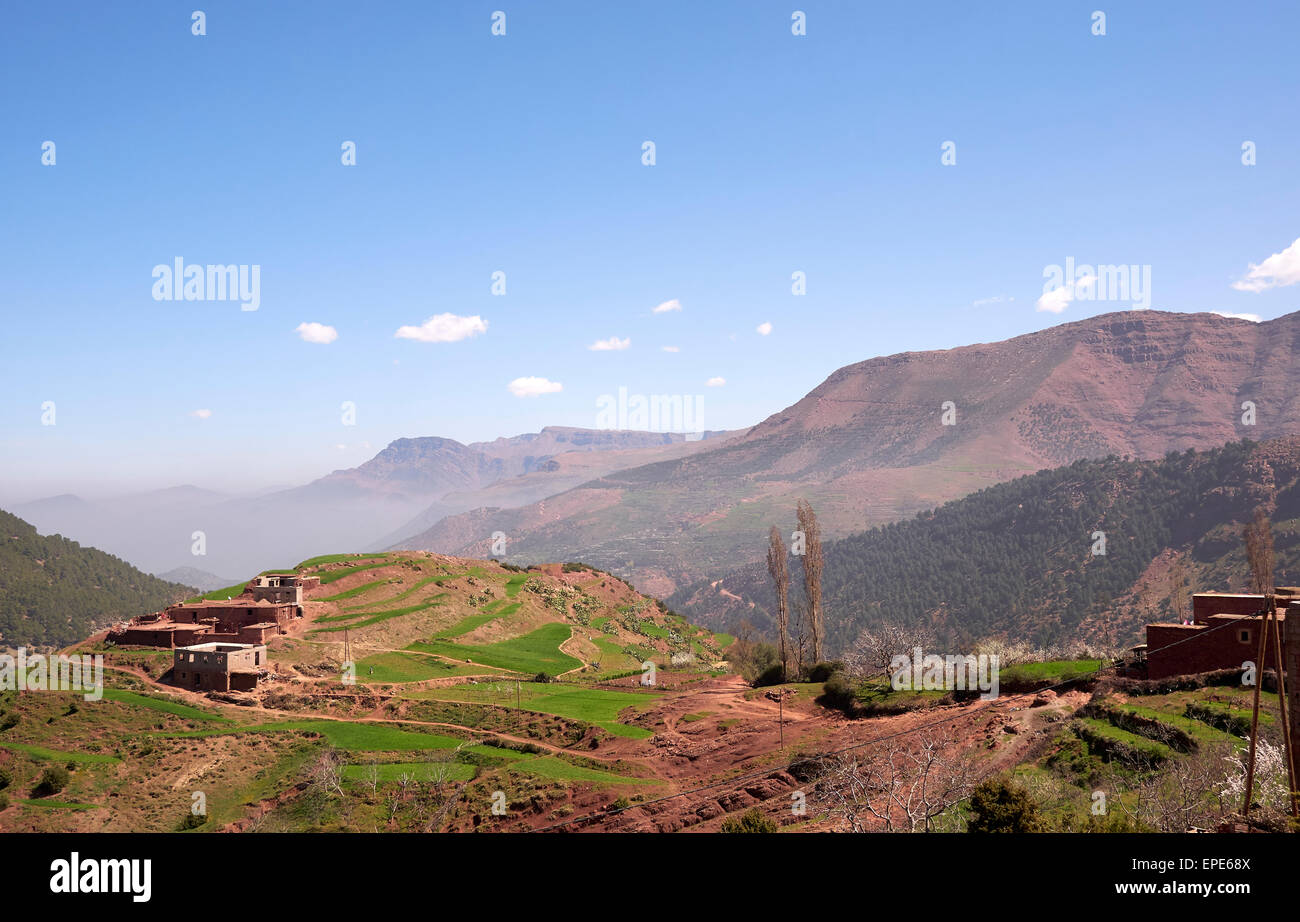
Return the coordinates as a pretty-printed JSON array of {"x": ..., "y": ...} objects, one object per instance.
[
  {"x": 316, "y": 333},
  {"x": 670, "y": 348},
  {"x": 996, "y": 299},
  {"x": 1253, "y": 318},
  {"x": 1059, "y": 298},
  {"x": 444, "y": 328},
  {"x": 200, "y": 414},
  {"x": 715, "y": 382},
  {"x": 534, "y": 387},
  {"x": 1278, "y": 270},
  {"x": 673, "y": 305},
  {"x": 613, "y": 344},
  {"x": 764, "y": 328}
]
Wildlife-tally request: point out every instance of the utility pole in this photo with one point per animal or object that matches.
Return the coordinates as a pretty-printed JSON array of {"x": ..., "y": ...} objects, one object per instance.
[{"x": 782, "y": 719}]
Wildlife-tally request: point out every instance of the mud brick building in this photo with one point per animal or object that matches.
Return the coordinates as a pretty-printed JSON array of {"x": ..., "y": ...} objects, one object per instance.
[
  {"x": 281, "y": 587},
  {"x": 218, "y": 666},
  {"x": 228, "y": 621},
  {"x": 1223, "y": 634}
]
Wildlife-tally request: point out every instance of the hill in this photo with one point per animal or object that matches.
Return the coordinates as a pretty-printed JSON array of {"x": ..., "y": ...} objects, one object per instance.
[
  {"x": 869, "y": 446},
  {"x": 54, "y": 591},
  {"x": 1015, "y": 560}
]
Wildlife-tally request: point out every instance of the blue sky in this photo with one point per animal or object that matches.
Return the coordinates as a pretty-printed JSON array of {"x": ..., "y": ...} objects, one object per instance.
[{"x": 522, "y": 153}]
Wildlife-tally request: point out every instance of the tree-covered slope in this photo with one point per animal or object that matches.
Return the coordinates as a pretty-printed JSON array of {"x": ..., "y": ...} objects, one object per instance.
[
  {"x": 1016, "y": 560},
  {"x": 54, "y": 591}
]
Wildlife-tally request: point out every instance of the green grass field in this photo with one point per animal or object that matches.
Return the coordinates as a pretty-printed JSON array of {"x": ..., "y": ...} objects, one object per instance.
[
  {"x": 598, "y": 706},
  {"x": 54, "y": 755},
  {"x": 419, "y": 771},
  {"x": 159, "y": 704},
  {"x": 534, "y": 652}
]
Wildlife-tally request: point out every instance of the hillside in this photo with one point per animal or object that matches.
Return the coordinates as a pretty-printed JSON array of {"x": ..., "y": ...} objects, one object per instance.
[
  {"x": 1015, "y": 560},
  {"x": 868, "y": 446},
  {"x": 54, "y": 591},
  {"x": 493, "y": 699}
]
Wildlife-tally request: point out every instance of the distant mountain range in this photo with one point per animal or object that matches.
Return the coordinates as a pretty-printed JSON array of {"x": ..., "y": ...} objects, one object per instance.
[
  {"x": 54, "y": 592},
  {"x": 1016, "y": 560},
  {"x": 402, "y": 490},
  {"x": 869, "y": 445}
]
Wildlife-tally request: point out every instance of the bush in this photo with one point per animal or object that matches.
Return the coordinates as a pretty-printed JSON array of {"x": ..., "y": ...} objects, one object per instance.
[
  {"x": 4, "y": 801},
  {"x": 839, "y": 692},
  {"x": 543, "y": 677},
  {"x": 9, "y": 719},
  {"x": 749, "y": 821},
  {"x": 772, "y": 675},
  {"x": 1000, "y": 806},
  {"x": 821, "y": 672},
  {"x": 53, "y": 780},
  {"x": 192, "y": 821},
  {"x": 6, "y": 779}
]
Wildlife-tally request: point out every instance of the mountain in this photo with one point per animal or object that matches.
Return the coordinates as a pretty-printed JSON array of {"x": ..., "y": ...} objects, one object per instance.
[
  {"x": 869, "y": 446},
  {"x": 201, "y": 580},
  {"x": 406, "y": 487},
  {"x": 1016, "y": 560},
  {"x": 54, "y": 591}
]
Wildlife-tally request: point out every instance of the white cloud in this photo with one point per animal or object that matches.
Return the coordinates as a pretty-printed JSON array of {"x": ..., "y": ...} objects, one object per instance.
[
  {"x": 316, "y": 333},
  {"x": 764, "y": 328},
  {"x": 1278, "y": 270},
  {"x": 534, "y": 387},
  {"x": 670, "y": 349},
  {"x": 1253, "y": 318},
  {"x": 613, "y": 344},
  {"x": 673, "y": 305},
  {"x": 200, "y": 414},
  {"x": 715, "y": 382},
  {"x": 985, "y": 302},
  {"x": 444, "y": 328},
  {"x": 1059, "y": 298}
]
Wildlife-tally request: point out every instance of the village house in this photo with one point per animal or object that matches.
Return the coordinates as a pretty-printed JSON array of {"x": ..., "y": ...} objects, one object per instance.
[
  {"x": 1223, "y": 633},
  {"x": 219, "y": 666}
]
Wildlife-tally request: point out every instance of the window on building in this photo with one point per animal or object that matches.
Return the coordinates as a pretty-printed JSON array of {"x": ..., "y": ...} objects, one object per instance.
[{"x": 1243, "y": 636}]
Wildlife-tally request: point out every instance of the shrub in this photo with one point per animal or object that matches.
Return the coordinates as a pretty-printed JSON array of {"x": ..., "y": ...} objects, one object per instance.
[
  {"x": 749, "y": 821},
  {"x": 192, "y": 821},
  {"x": 6, "y": 779},
  {"x": 821, "y": 672},
  {"x": 53, "y": 780},
  {"x": 9, "y": 719},
  {"x": 772, "y": 675},
  {"x": 1000, "y": 806},
  {"x": 839, "y": 692}
]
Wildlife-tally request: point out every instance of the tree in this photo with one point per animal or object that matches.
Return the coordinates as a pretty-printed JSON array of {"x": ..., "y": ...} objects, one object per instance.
[
  {"x": 813, "y": 563},
  {"x": 779, "y": 567},
  {"x": 999, "y": 806},
  {"x": 1259, "y": 552},
  {"x": 875, "y": 647},
  {"x": 1178, "y": 590},
  {"x": 904, "y": 785}
]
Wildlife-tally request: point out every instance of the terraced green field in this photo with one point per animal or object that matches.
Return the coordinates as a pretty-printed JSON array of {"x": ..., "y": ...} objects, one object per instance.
[
  {"x": 534, "y": 652},
  {"x": 598, "y": 706}
]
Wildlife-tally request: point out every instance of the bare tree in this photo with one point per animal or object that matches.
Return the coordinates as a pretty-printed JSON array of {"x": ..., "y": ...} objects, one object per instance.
[
  {"x": 813, "y": 563},
  {"x": 901, "y": 786},
  {"x": 875, "y": 647},
  {"x": 1178, "y": 590},
  {"x": 778, "y": 566},
  {"x": 1259, "y": 552}
]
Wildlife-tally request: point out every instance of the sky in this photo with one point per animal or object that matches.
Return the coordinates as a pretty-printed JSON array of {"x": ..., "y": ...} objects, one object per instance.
[{"x": 523, "y": 153}]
